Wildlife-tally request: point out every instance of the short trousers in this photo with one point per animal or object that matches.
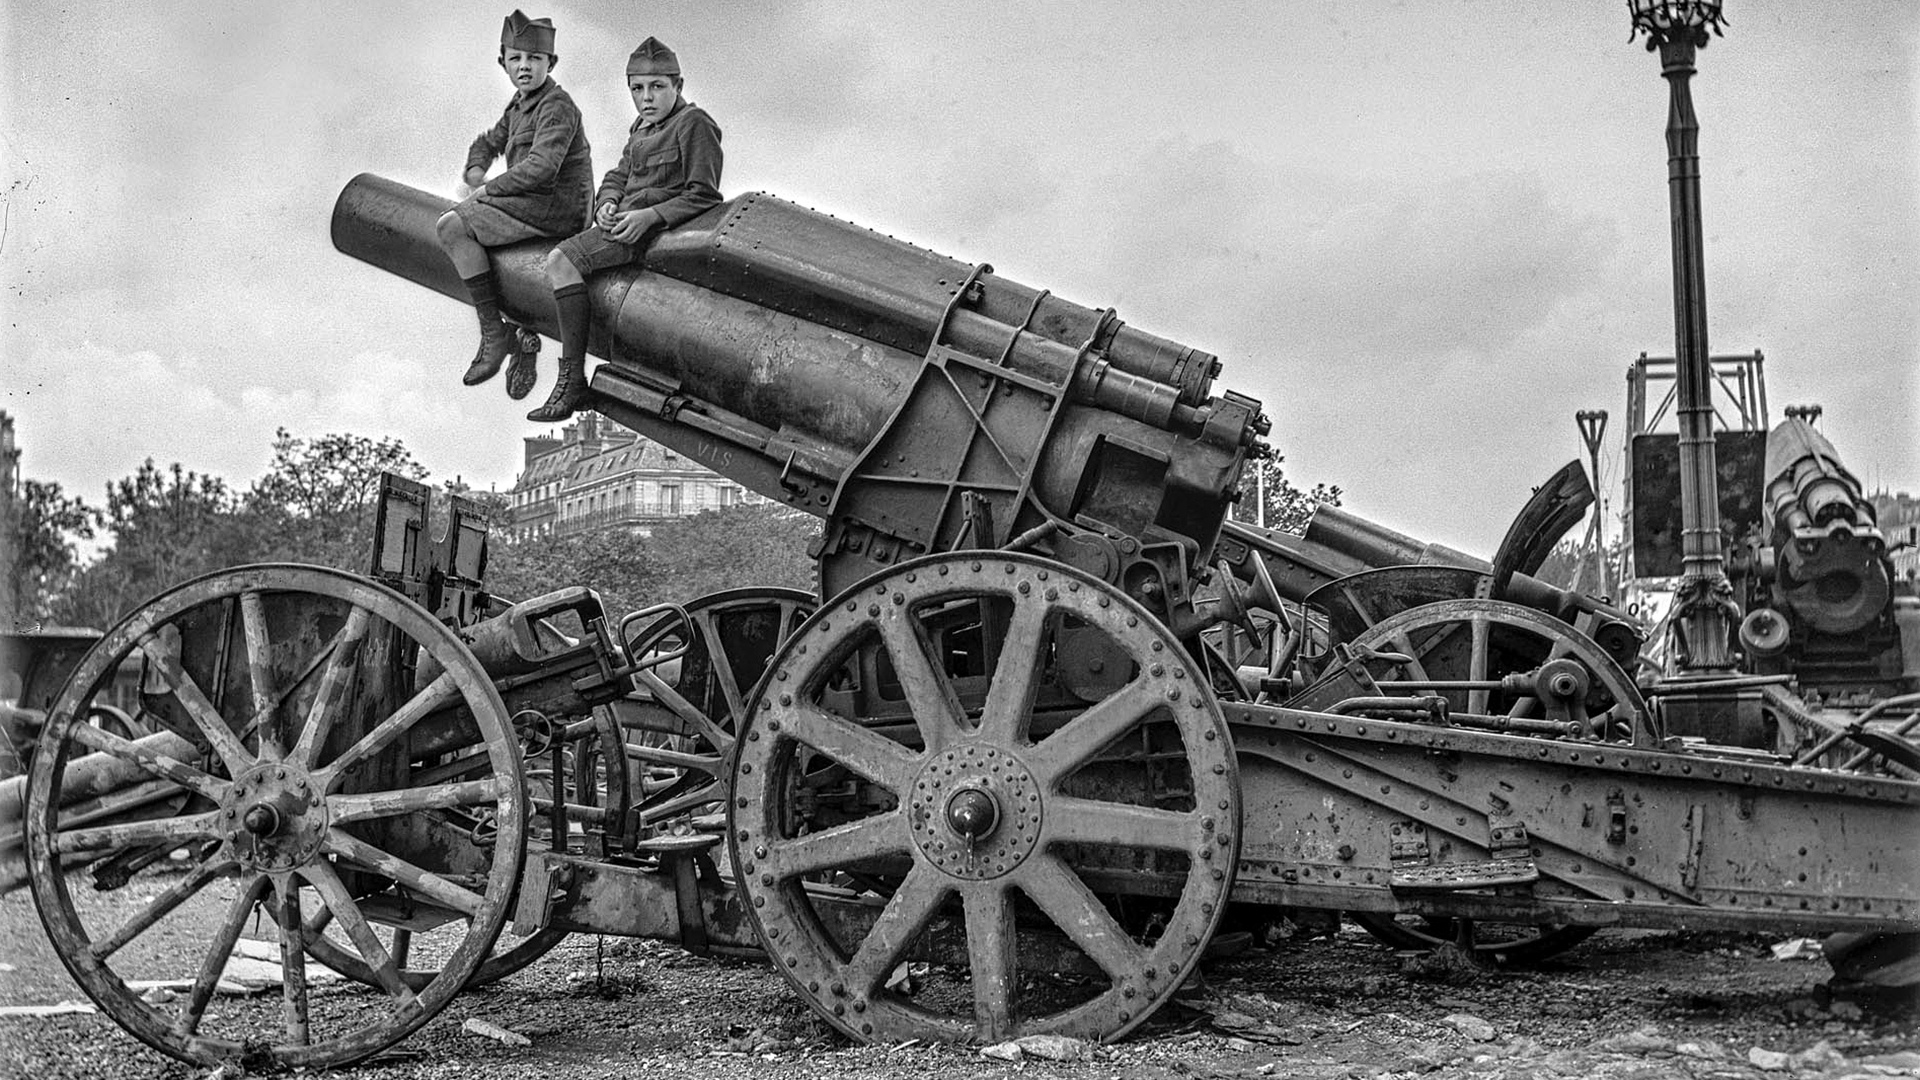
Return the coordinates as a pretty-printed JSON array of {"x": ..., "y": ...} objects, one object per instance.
[
  {"x": 492, "y": 226},
  {"x": 594, "y": 250}
]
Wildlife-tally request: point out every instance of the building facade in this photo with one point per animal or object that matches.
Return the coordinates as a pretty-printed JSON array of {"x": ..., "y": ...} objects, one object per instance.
[
  {"x": 598, "y": 475},
  {"x": 1899, "y": 520}
]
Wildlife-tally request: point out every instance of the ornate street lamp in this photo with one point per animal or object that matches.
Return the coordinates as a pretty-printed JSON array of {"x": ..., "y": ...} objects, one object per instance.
[{"x": 1704, "y": 612}]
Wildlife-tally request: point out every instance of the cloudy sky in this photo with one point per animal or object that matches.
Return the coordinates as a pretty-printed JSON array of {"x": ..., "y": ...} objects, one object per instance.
[{"x": 1423, "y": 233}]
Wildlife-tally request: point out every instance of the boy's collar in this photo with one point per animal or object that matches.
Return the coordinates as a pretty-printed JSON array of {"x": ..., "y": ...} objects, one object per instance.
[
  {"x": 640, "y": 122},
  {"x": 525, "y": 98}
]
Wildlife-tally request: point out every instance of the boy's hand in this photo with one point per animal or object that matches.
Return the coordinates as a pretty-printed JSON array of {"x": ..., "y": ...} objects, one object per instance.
[
  {"x": 475, "y": 177},
  {"x": 629, "y": 227},
  {"x": 603, "y": 216}
]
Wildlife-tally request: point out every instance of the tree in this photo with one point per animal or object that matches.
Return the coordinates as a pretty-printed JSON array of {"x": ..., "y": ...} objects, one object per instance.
[
  {"x": 735, "y": 547},
  {"x": 41, "y": 554},
  {"x": 1288, "y": 508},
  {"x": 168, "y": 526},
  {"x": 316, "y": 500},
  {"x": 683, "y": 559}
]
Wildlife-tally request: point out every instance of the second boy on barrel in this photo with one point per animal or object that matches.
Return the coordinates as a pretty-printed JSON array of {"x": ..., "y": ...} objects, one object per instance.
[{"x": 668, "y": 174}]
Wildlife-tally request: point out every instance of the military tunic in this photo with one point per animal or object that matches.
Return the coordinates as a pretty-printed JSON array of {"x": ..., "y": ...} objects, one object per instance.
[
  {"x": 548, "y": 182},
  {"x": 672, "y": 167}
]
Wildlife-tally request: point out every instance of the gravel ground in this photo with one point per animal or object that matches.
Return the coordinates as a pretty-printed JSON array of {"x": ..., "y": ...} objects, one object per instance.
[{"x": 1623, "y": 1004}]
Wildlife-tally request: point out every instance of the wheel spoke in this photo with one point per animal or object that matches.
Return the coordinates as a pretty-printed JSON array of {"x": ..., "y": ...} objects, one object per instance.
[
  {"x": 1060, "y": 753},
  {"x": 1089, "y": 821},
  {"x": 364, "y": 806},
  {"x": 253, "y": 628},
  {"x": 173, "y": 769},
  {"x": 930, "y": 697},
  {"x": 425, "y": 882},
  {"x": 343, "y": 655},
  {"x": 992, "y": 953},
  {"x": 712, "y": 791},
  {"x": 218, "y": 733},
  {"x": 719, "y": 737},
  {"x": 173, "y": 896},
  {"x": 439, "y": 692},
  {"x": 720, "y": 664},
  {"x": 1060, "y": 893},
  {"x": 137, "y": 833},
  {"x": 872, "y": 755},
  {"x": 218, "y": 953},
  {"x": 1477, "y": 666},
  {"x": 908, "y": 911},
  {"x": 334, "y": 894},
  {"x": 869, "y": 838},
  {"x": 293, "y": 960},
  {"x": 1003, "y": 719}
]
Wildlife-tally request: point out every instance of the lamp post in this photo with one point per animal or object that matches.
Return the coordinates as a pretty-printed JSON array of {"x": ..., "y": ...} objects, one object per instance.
[{"x": 1704, "y": 611}]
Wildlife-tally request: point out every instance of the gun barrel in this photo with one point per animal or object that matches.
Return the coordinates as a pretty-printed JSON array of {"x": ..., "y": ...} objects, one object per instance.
[
  {"x": 1830, "y": 563},
  {"x": 847, "y": 373}
]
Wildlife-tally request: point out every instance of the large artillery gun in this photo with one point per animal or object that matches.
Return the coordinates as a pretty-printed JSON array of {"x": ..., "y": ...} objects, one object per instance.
[
  {"x": 1827, "y": 633},
  {"x": 1048, "y": 720}
]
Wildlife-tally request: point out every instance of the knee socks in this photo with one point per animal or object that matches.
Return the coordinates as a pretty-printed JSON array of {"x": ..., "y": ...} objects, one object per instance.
[
  {"x": 570, "y": 304},
  {"x": 486, "y": 295}
]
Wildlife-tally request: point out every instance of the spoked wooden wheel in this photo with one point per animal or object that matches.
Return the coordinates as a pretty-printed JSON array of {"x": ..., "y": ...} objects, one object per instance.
[
  {"x": 727, "y": 640},
  {"x": 1000, "y": 767},
  {"x": 1480, "y": 641},
  {"x": 591, "y": 779},
  {"x": 298, "y": 706}
]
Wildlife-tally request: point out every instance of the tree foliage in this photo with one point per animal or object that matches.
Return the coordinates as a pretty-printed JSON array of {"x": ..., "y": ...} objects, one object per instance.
[
  {"x": 39, "y": 551},
  {"x": 316, "y": 501},
  {"x": 168, "y": 526},
  {"x": 684, "y": 559},
  {"x": 1288, "y": 507}
]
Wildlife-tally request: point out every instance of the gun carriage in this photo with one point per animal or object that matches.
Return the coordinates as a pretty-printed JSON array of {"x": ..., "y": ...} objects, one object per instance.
[{"x": 1047, "y": 724}]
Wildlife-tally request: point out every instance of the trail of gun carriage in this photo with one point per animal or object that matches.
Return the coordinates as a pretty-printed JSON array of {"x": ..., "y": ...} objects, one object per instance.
[{"x": 1050, "y": 731}]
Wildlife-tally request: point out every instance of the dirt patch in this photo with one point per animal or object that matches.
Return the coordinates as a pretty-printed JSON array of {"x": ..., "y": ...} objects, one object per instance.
[{"x": 1623, "y": 1004}]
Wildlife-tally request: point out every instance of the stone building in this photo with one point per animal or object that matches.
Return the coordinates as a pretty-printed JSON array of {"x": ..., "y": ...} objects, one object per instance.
[{"x": 598, "y": 475}]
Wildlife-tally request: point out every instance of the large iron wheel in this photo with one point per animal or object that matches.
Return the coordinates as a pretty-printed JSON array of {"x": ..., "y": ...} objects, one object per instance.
[
  {"x": 723, "y": 647},
  {"x": 921, "y": 779},
  {"x": 297, "y": 703},
  {"x": 1477, "y": 640}
]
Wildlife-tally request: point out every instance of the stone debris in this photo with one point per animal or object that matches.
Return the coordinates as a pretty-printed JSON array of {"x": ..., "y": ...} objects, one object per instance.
[
  {"x": 477, "y": 1026},
  {"x": 1642, "y": 1040},
  {"x": 1820, "y": 1057},
  {"x": 1054, "y": 1047},
  {"x": 1470, "y": 1026},
  {"x": 1044, "y": 1047},
  {"x": 1804, "y": 948},
  {"x": 1006, "y": 1051},
  {"x": 64, "y": 1008},
  {"x": 1772, "y": 1060}
]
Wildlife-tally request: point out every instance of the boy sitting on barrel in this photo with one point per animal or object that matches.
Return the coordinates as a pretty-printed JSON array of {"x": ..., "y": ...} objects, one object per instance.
[
  {"x": 544, "y": 191},
  {"x": 668, "y": 174}
]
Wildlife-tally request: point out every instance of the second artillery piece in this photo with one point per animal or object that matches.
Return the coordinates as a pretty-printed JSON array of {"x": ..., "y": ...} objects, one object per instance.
[{"x": 1048, "y": 722}]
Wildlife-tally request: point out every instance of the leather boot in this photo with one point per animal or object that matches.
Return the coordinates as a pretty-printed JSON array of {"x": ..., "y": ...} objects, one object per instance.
[
  {"x": 568, "y": 389},
  {"x": 523, "y": 371},
  {"x": 495, "y": 343}
]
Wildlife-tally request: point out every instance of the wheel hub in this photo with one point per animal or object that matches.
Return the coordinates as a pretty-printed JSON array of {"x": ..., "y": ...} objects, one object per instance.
[
  {"x": 275, "y": 818},
  {"x": 975, "y": 811}
]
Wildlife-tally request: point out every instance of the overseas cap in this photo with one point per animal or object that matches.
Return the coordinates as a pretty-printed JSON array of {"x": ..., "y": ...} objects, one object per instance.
[
  {"x": 527, "y": 35},
  {"x": 653, "y": 58}
]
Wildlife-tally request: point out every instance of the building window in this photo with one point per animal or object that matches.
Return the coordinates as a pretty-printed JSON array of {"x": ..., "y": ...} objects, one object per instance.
[{"x": 670, "y": 498}]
